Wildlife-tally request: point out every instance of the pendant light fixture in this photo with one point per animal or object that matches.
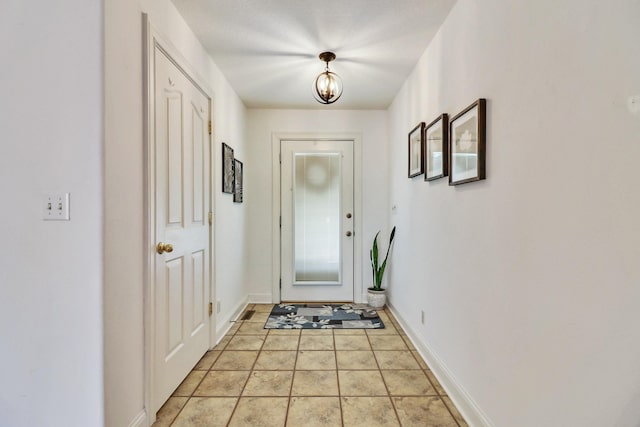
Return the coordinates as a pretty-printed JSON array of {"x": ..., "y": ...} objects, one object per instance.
[{"x": 327, "y": 87}]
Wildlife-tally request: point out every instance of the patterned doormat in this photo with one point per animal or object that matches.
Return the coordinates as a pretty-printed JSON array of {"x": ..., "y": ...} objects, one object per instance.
[{"x": 323, "y": 316}]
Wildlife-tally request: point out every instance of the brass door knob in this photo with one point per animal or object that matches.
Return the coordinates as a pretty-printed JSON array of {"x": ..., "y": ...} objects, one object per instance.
[
  {"x": 164, "y": 247},
  {"x": 348, "y": 234}
]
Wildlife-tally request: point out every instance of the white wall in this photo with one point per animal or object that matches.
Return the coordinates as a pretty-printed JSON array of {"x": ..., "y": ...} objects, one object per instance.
[
  {"x": 51, "y": 272},
  {"x": 124, "y": 194},
  {"x": 261, "y": 125},
  {"x": 530, "y": 280}
]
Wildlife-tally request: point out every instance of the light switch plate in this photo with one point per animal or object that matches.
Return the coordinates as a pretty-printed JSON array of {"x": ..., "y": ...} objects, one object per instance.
[{"x": 55, "y": 207}]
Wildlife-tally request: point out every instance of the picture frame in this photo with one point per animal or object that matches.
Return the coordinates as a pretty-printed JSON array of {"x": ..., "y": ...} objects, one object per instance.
[
  {"x": 467, "y": 144},
  {"x": 415, "y": 151},
  {"x": 237, "y": 181},
  {"x": 227, "y": 169},
  {"x": 436, "y": 148}
]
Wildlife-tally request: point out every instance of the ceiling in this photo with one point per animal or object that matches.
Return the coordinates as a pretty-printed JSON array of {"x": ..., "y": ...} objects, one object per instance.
[{"x": 268, "y": 49}]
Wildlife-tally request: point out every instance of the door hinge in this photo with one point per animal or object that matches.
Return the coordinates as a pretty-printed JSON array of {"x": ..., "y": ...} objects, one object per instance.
[
  {"x": 209, "y": 127},
  {"x": 280, "y": 221},
  {"x": 210, "y": 308},
  {"x": 280, "y": 283},
  {"x": 210, "y": 218},
  {"x": 280, "y": 157}
]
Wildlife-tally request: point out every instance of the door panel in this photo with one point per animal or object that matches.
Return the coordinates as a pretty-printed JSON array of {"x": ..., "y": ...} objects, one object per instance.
[
  {"x": 317, "y": 220},
  {"x": 181, "y": 196}
]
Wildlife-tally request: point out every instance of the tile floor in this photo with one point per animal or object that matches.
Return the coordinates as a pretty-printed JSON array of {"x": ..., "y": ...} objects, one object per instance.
[{"x": 342, "y": 377}]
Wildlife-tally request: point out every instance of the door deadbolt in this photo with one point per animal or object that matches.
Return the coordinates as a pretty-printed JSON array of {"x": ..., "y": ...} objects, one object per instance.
[
  {"x": 349, "y": 234},
  {"x": 348, "y": 216},
  {"x": 164, "y": 247}
]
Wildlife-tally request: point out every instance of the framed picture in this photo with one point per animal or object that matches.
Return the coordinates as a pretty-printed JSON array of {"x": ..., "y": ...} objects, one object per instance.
[
  {"x": 436, "y": 148},
  {"x": 237, "y": 181},
  {"x": 416, "y": 161},
  {"x": 227, "y": 169},
  {"x": 467, "y": 144}
]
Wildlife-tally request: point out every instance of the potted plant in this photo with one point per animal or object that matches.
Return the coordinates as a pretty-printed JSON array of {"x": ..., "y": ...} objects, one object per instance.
[{"x": 376, "y": 296}]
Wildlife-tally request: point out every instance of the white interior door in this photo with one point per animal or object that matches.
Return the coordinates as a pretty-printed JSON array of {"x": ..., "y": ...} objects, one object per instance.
[
  {"x": 317, "y": 221},
  {"x": 182, "y": 203}
]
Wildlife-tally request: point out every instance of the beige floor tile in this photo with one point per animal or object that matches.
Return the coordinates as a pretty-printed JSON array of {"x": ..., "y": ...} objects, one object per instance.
[
  {"x": 420, "y": 360},
  {"x": 361, "y": 383},
  {"x": 207, "y": 360},
  {"x": 235, "y": 360},
  {"x": 408, "y": 383},
  {"x": 223, "y": 343},
  {"x": 286, "y": 332},
  {"x": 356, "y": 359},
  {"x": 246, "y": 342},
  {"x": 319, "y": 342},
  {"x": 234, "y": 328},
  {"x": 388, "y": 329},
  {"x": 368, "y": 411},
  {"x": 352, "y": 342},
  {"x": 387, "y": 342},
  {"x": 454, "y": 411},
  {"x": 278, "y": 342},
  {"x": 423, "y": 412},
  {"x": 276, "y": 360},
  {"x": 259, "y": 317},
  {"x": 206, "y": 411},
  {"x": 263, "y": 308},
  {"x": 408, "y": 342},
  {"x": 260, "y": 411},
  {"x": 312, "y": 360},
  {"x": 169, "y": 411},
  {"x": 190, "y": 383},
  {"x": 384, "y": 317},
  {"x": 441, "y": 391},
  {"x": 314, "y": 412},
  {"x": 395, "y": 359},
  {"x": 222, "y": 383},
  {"x": 316, "y": 332},
  {"x": 268, "y": 383},
  {"x": 252, "y": 328},
  {"x": 315, "y": 383},
  {"x": 348, "y": 332}
]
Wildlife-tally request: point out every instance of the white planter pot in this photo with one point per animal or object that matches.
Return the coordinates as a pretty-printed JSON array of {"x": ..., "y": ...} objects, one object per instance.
[{"x": 376, "y": 299}]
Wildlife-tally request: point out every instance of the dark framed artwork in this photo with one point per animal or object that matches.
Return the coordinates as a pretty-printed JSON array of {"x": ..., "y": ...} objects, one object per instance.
[
  {"x": 467, "y": 144},
  {"x": 436, "y": 148},
  {"x": 227, "y": 169},
  {"x": 416, "y": 160},
  {"x": 237, "y": 181}
]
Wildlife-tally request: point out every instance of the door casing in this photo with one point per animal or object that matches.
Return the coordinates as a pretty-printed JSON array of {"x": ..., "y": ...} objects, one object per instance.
[
  {"x": 276, "y": 139},
  {"x": 152, "y": 39}
]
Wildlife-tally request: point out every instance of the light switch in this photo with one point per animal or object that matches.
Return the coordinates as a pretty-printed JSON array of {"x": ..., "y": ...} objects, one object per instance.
[{"x": 55, "y": 207}]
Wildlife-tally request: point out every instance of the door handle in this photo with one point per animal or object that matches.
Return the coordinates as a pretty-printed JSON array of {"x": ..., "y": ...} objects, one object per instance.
[
  {"x": 164, "y": 247},
  {"x": 349, "y": 234}
]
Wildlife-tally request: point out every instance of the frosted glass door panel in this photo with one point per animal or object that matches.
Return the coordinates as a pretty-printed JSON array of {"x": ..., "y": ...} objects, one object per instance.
[
  {"x": 317, "y": 220},
  {"x": 317, "y": 184}
]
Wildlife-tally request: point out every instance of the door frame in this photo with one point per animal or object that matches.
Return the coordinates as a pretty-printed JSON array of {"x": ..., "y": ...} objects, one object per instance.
[
  {"x": 276, "y": 139},
  {"x": 152, "y": 39}
]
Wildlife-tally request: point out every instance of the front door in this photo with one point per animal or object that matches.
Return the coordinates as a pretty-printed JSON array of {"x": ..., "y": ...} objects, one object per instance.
[
  {"x": 182, "y": 270},
  {"x": 317, "y": 221}
]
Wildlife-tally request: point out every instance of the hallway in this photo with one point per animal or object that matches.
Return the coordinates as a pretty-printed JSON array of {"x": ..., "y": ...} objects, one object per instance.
[{"x": 339, "y": 377}]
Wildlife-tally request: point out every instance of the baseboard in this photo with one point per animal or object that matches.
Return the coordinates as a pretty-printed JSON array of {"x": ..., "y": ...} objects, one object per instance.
[
  {"x": 471, "y": 412},
  {"x": 260, "y": 298},
  {"x": 225, "y": 324},
  {"x": 140, "y": 420}
]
